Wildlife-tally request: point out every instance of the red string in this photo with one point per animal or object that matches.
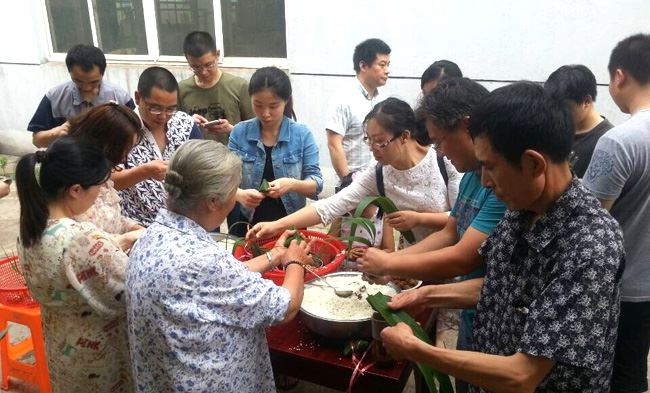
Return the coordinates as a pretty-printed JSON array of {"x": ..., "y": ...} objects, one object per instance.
[{"x": 358, "y": 370}]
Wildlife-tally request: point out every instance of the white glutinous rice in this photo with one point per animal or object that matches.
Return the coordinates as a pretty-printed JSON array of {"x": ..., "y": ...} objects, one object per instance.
[{"x": 321, "y": 301}]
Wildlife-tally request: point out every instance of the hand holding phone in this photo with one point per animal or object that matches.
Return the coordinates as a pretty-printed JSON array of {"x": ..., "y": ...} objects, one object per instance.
[{"x": 212, "y": 123}]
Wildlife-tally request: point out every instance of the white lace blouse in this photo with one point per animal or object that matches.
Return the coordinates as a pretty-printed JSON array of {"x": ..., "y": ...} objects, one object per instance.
[{"x": 420, "y": 188}]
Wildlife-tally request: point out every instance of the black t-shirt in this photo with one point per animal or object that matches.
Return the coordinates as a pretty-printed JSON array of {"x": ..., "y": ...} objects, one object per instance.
[
  {"x": 270, "y": 209},
  {"x": 584, "y": 145}
]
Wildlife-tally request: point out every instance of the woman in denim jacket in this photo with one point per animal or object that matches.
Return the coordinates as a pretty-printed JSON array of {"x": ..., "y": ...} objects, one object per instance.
[{"x": 275, "y": 148}]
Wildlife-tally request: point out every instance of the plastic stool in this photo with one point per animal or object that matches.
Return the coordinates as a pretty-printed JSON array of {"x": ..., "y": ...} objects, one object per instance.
[{"x": 36, "y": 374}]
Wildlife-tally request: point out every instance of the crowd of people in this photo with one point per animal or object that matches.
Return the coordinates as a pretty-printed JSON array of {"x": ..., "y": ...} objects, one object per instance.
[{"x": 528, "y": 209}]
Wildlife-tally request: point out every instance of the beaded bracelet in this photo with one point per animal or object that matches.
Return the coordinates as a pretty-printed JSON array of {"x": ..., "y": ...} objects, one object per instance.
[{"x": 286, "y": 265}]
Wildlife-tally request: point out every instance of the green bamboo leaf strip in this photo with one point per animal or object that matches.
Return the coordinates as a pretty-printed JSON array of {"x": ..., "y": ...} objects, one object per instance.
[
  {"x": 359, "y": 239},
  {"x": 379, "y": 303},
  {"x": 367, "y": 224},
  {"x": 296, "y": 236},
  {"x": 264, "y": 187},
  {"x": 387, "y": 206}
]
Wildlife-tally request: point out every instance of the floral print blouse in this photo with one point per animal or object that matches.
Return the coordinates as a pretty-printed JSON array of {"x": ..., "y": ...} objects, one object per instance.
[
  {"x": 196, "y": 315},
  {"x": 106, "y": 212},
  {"x": 76, "y": 272}
]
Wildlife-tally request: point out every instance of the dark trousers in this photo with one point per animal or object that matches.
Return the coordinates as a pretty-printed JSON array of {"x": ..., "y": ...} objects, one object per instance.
[{"x": 632, "y": 344}]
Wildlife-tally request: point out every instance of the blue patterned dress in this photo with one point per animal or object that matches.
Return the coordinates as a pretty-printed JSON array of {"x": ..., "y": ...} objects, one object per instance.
[{"x": 196, "y": 315}]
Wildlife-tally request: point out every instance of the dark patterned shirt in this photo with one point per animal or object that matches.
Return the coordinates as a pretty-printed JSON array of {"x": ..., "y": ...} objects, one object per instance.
[
  {"x": 142, "y": 202},
  {"x": 552, "y": 290}
]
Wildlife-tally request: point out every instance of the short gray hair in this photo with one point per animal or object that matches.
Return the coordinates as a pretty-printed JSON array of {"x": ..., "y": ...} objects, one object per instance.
[{"x": 201, "y": 169}]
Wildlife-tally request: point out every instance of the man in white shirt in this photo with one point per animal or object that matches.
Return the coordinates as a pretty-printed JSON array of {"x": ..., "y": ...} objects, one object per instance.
[{"x": 346, "y": 114}]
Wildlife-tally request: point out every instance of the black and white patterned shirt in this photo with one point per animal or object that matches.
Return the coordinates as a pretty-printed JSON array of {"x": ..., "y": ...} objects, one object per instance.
[
  {"x": 552, "y": 290},
  {"x": 142, "y": 202}
]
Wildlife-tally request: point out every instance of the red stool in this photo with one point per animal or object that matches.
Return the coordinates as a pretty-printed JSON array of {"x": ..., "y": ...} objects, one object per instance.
[{"x": 36, "y": 374}]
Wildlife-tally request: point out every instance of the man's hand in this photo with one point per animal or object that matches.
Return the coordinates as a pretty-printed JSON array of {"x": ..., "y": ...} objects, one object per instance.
[
  {"x": 281, "y": 186},
  {"x": 411, "y": 301},
  {"x": 249, "y": 198},
  {"x": 403, "y": 220},
  {"x": 62, "y": 130},
  {"x": 156, "y": 169},
  {"x": 398, "y": 340},
  {"x": 374, "y": 261}
]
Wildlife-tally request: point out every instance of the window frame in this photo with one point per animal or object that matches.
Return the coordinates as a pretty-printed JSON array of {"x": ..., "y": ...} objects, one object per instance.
[{"x": 154, "y": 56}]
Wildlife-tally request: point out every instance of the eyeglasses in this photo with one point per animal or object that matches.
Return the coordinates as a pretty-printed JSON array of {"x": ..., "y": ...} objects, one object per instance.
[
  {"x": 437, "y": 143},
  {"x": 382, "y": 145},
  {"x": 207, "y": 66},
  {"x": 159, "y": 110}
]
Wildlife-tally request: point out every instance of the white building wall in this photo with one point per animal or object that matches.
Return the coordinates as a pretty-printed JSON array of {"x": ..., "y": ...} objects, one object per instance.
[{"x": 494, "y": 42}]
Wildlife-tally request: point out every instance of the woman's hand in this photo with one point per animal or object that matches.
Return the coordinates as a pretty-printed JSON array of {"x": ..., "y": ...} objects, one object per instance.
[
  {"x": 264, "y": 230},
  {"x": 403, "y": 220},
  {"x": 281, "y": 186},
  {"x": 397, "y": 340},
  {"x": 249, "y": 198},
  {"x": 127, "y": 239},
  {"x": 374, "y": 261},
  {"x": 297, "y": 252},
  {"x": 156, "y": 169},
  {"x": 413, "y": 301}
]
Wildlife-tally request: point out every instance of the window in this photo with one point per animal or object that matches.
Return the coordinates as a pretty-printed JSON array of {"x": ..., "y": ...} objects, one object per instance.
[{"x": 148, "y": 29}]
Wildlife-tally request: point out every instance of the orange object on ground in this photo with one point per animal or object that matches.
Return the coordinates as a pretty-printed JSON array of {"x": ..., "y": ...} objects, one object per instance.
[
  {"x": 13, "y": 290},
  {"x": 36, "y": 374}
]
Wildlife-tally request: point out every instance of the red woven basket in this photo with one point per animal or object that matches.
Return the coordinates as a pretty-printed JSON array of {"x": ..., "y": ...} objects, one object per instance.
[
  {"x": 329, "y": 249},
  {"x": 13, "y": 289}
]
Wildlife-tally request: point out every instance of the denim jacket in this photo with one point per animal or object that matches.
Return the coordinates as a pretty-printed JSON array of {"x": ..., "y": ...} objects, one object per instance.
[{"x": 295, "y": 155}]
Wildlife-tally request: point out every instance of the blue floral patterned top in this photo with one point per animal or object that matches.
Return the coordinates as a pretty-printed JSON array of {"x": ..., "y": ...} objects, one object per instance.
[{"x": 196, "y": 315}]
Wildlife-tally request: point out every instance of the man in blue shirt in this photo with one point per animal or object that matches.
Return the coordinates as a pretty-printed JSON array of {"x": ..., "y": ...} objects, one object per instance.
[
  {"x": 452, "y": 251},
  {"x": 86, "y": 65}
]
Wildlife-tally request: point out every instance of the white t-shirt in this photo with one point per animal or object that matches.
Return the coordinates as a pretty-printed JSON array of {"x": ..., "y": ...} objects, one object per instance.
[{"x": 345, "y": 117}]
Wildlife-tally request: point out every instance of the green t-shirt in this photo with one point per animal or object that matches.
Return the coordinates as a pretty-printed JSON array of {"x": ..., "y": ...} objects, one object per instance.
[{"x": 228, "y": 99}]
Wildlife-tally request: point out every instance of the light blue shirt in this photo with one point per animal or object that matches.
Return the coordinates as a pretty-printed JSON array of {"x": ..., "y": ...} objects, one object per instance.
[
  {"x": 295, "y": 155},
  {"x": 196, "y": 315}
]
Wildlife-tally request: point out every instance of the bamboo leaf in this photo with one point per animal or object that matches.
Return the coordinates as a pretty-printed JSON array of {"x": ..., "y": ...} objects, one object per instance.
[
  {"x": 264, "y": 187},
  {"x": 356, "y": 239},
  {"x": 379, "y": 302},
  {"x": 387, "y": 206}
]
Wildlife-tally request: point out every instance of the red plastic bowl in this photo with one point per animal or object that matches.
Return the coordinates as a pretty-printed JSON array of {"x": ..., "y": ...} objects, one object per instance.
[{"x": 329, "y": 249}]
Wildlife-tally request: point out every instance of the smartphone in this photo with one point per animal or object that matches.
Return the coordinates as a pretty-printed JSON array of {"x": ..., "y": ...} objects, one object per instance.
[{"x": 213, "y": 122}]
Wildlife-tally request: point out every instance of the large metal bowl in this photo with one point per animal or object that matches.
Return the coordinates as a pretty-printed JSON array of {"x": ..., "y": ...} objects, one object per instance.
[{"x": 336, "y": 328}]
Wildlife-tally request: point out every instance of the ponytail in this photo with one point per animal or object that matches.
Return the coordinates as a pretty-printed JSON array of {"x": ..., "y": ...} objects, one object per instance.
[{"x": 33, "y": 203}]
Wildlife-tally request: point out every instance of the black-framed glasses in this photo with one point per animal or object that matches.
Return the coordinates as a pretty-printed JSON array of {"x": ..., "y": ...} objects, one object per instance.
[
  {"x": 207, "y": 66},
  {"x": 159, "y": 110},
  {"x": 382, "y": 145}
]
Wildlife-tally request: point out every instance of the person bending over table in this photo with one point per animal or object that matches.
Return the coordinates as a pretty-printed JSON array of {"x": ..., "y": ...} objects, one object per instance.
[
  {"x": 196, "y": 314},
  {"x": 547, "y": 309}
]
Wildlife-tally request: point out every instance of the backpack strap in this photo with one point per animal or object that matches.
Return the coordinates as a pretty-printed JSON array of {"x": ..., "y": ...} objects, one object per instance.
[
  {"x": 443, "y": 169},
  {"x": 379, "y": 177}
]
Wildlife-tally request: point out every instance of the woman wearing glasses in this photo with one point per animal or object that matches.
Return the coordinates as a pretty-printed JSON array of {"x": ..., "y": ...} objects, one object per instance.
[
  {"x": 165, "y": 129},
  {"x": 273, "y": 147},
  {"x": 411, "y": 177}
]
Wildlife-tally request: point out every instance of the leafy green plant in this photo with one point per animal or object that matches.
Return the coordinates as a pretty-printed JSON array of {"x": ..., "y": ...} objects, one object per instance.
[
  {"x": 3, "y": 164},
  {"x": 379, "y": 303}
]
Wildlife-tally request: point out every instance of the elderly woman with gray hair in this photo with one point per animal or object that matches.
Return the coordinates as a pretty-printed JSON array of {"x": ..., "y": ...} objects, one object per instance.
[{"x": 196, "y": 315}]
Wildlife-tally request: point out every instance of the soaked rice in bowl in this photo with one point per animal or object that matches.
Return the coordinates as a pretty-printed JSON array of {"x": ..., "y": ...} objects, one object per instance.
[{"x": 321, "y": 301}]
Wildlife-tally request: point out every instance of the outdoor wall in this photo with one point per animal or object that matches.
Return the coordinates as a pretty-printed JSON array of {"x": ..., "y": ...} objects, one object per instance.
[{"x": 493, "y": 42}]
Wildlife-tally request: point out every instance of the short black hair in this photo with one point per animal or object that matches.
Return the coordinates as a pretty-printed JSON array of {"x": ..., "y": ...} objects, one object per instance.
[
  {"x": 451, "y": 101},
  {"x": 524, "y": 116},
  {"x": 198, "y": 43},
  {"x": 572, "y": 82},
  {"x": 156, "y": 77},
  {"x": 367, "y": 52},
  {"x": 632, "y": 55},
  {"x": 86, "y": 57},
  {"x": 440, "y": 69}
]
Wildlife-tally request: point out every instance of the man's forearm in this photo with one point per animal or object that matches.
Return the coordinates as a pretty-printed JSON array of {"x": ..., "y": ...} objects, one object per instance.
[
  {"x": 518, "y": 373},
  {"x": 437, "y": 240},
  {"x": 448, "y": 262},
  {"x": 44, "y": 138},
  {"x": 464, "y": 294}
]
